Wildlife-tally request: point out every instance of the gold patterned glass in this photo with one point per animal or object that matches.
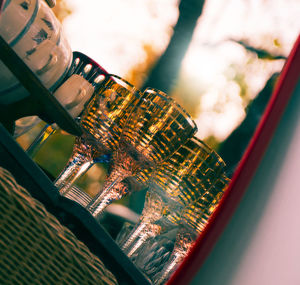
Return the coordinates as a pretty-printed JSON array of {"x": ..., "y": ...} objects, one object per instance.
[
  {"x": 181, "y": 179},
  {"x": 102, "y": 122},
  {"x": 194, "y": 218},
  {"x": 157, "y": 127}
]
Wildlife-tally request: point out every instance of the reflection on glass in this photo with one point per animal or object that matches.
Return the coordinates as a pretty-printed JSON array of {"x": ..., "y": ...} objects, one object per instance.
[
  {"x": 181, "y": 179},
  {"x": 102, "y": 122},
  {"x": 193, "y": 220},
  {"x": 78, "y": 195},
  {"x": 156, "y": 128}
]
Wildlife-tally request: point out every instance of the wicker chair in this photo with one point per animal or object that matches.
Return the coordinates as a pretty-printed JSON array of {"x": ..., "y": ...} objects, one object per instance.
[{"x": 36, "y": 249}]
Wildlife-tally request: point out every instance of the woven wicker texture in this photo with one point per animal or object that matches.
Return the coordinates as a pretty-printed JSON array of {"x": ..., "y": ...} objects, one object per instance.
[{"x": 36, "y": 249}]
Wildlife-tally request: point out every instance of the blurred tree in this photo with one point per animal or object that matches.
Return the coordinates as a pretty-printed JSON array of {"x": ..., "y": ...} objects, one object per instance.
[
  {"x": 232, "y": 149},
  {"x": 261, "y": 53},
  {"x": 139, "y": 72},
  {"x": 165, "y": 71}
]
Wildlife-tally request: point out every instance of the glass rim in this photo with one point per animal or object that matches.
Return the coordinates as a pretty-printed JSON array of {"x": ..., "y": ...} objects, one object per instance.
[
  {"x": 187, "y": 115},
  {"x": 207, "y": 148},
  {"x": 80, "y": 65},
  {"x": 111, "y": 76},
  {"x": 158, "y": 92},
  {"x": 86, "y": 59},
  {"x": 172, "y": 101}
]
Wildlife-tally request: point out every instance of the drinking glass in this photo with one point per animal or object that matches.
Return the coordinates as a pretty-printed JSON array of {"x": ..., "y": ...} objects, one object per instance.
[
  {"x": 151, "y": 266},
  {"x": 123, "y": 233},
  {"x": 156, "y": 128},
  {"x": 155, "y": 252},
  {"x": 84, "y": 78},
  {"x": 102, "y": 122},
  {"x": 193, "y": 220},
  {"x": 179, "y": 181},
  {"x": 78, "y": 195}
]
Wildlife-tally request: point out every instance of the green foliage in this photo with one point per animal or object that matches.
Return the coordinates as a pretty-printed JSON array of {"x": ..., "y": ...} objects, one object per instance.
[{"x": 54, "y": 155}]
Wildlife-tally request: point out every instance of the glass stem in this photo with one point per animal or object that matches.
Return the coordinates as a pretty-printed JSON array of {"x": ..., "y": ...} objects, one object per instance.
[
  {"x": 41, "y": 138},
  {"x": 124, "y": 233},
  {"x": 138, "y": 237},
  {"x": 113, "y": 189},
  {"x": 134, "y": 236},
  {"x": 175, "y": 259},
  {"x": 79, "y": 196},
  {"x": 107, "y": 196},
  {"x": 78, "y": 164}
]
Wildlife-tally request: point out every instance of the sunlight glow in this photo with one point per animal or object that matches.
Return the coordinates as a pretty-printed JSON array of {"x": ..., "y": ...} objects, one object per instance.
[{"x": 115, "y": 32}]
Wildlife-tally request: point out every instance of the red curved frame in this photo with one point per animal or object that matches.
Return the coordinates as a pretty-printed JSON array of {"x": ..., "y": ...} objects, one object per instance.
[{"x": 283, "y": 91}]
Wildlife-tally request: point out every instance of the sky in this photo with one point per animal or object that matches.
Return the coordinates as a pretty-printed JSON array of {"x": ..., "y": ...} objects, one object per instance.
[{"x": 114, "y": 32}]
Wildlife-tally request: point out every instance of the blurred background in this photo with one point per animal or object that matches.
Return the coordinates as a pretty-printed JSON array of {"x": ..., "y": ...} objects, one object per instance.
[{"x": 218, "y": 58}]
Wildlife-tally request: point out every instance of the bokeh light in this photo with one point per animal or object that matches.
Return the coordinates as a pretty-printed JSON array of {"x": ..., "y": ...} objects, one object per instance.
[
  {"x": 219, "y": 75},
  {"x": 115, "y": 33}
]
